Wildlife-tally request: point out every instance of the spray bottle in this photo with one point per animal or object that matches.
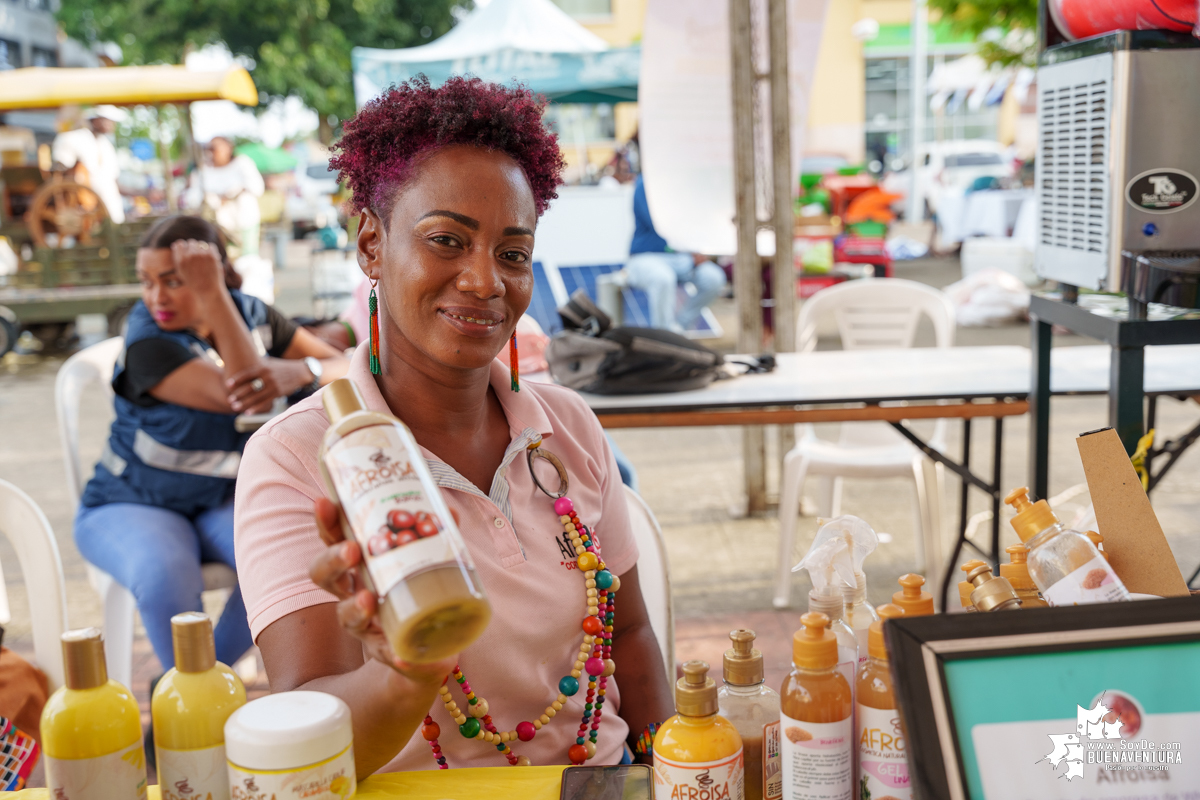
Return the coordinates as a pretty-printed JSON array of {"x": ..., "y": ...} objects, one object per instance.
[
  {"x": 855, "y": 541},
  {"x": 826, "y": 598}
]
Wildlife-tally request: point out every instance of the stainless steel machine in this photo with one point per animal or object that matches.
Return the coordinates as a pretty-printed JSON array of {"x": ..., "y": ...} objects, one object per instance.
[{"x": 1117, "y": 166}]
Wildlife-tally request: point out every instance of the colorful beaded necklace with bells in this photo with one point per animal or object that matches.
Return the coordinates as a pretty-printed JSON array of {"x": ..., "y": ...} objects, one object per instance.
[{"x": 594, "y": 658}]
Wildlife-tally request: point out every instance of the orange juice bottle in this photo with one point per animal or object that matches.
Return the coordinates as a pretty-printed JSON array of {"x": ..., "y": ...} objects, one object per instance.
[
  {"x": 698, "y": 753},
  {"x": 912, "y": 599},
  {"x": 882, "y": 755},
  {"x": 817, "y": 719},
  {"x": 1016, "y": 572}
]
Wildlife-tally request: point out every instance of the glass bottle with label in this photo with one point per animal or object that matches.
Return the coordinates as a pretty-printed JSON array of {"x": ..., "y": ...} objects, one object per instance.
[
  {"x": 1065, "y": 565},
  {"x": 991, "y": 593},
  {"x": 753, "y": 708},
  {"x": 1016, "y": 572},
  {"x": 966, "y": 587},
  {"x": 817, "y": 720},
  {"x": 432, "y": 605},
  {"x": 92, "y": 729},
  {"x": 697, "y": 751},
  {"x": 189, "y": 708},
  {"x": 915, "y": 601},
  {"x": 882, "y": 754}
]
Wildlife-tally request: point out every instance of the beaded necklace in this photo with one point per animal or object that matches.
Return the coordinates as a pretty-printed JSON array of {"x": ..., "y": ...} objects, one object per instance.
[{"x": 594, "y": 658}]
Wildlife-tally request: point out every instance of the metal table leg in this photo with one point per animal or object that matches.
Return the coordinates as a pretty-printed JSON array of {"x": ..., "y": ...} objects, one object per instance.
[
  {"x": 1039, "y": 409},
  {"x": 1126, "y": 394}
]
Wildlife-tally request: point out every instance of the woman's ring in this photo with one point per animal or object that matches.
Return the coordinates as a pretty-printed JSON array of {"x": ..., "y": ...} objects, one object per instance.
[{"x": 257, "y": 384}]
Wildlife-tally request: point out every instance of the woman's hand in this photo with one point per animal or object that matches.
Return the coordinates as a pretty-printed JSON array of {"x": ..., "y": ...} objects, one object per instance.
[
  {"x": 199, "y": 266},
  {"x": 254, "y": 389},
  {"x": 335, "y": 571}
]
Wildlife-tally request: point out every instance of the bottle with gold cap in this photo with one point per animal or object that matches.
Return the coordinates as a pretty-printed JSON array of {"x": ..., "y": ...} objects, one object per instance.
[
  {"x": 698, "y": 752},
  {"x": 1016, "y": 572},
  {"x": 92, "y": 729},
  {"x": 915, "y": 601},
  {"x": 966, "y": 587},
  {"x": 1065, "y": 565},
  {"x": 882, "y": 754},
  {"x": 753, "y": 708},
  {"x": 189, "y": 708},
  {"x": 433, "y": 605},
  {"x": 818, "y": 717},
  {"x": 991, "y": 593}
]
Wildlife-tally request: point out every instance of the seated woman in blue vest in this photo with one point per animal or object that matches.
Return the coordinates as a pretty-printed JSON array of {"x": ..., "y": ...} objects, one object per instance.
[{"x": 197, "y": 353}]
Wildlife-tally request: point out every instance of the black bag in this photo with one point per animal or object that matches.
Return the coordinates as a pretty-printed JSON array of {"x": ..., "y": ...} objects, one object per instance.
[{"x": 591, "y": 356}]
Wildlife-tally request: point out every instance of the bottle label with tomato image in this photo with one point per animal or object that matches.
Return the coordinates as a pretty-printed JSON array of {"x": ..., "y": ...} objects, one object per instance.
[{"x": 387, "y": 505}]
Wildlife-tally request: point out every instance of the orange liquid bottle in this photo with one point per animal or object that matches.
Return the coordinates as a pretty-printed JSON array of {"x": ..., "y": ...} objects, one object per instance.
[
  {"x": 882, "y": 754},
  {"x": 912, "y": 599},
  {"x": 966, "y": 587},
  {"x": 817, "y": 718}
]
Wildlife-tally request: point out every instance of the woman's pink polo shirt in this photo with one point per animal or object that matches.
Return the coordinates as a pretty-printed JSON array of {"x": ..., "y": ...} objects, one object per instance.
[{"x": 523, "y": 560}]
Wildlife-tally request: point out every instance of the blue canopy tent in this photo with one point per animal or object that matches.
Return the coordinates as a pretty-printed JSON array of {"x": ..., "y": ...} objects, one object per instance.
[{"x": 532, "y": 42}]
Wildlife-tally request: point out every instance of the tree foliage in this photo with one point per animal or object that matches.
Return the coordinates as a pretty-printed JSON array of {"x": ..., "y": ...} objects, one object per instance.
[
  {"x": 299, "y": 47},
  {"x": 1005, "y": 30}
]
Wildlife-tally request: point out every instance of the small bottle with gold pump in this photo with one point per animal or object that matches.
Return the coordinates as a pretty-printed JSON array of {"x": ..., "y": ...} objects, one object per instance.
[
  {"x": 432, "y": 604},
  {"x": 991, "y": 593},
  {"x": 882, "y": 751},
  {"x": 1016, "y": 572},
  {"x": 190, "y": 706},
  {"x": 697, "y": 751},
  {"x": 753, "y": 708},
  {"x": 818, "y": 717},
  {"x": 915, "y": 601},
  {"x": 92, "y": 729},
  {"x": 966, "y": 587},
  {"x": 1065, "y": 565}
]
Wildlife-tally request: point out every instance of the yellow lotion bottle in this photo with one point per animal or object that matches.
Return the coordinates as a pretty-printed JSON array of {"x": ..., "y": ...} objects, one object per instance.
[
  {"x": 92, "y": 729},
  {"x": 915, "y": 601},
  {"x": 966, "y": 587},
  {"x": 817, "y": 720},
  {"x": 189, "y": 708},
  {"x": 696, "y": 752},
  {"x": 882, "y": 754}
]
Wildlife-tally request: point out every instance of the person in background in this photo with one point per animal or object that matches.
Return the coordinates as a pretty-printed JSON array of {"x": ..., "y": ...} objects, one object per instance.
[
  {"x": 655, "y": 269},
  {"x": 230, "y": 185},
  {"x": 197, "y": 353},
  {"x": 91, "y": 147}
]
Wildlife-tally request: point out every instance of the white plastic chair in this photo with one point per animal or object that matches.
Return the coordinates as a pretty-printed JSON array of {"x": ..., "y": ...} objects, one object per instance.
[
  {"x": 870, "y": 314},
  {"x": 654, "y": 576},
  {"x": 30, "y": 534},
  {"x": 95, "y": 365}
]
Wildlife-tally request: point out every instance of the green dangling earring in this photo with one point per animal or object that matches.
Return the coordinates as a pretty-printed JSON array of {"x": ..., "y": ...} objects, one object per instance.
[{"x": 373, "y": 310}]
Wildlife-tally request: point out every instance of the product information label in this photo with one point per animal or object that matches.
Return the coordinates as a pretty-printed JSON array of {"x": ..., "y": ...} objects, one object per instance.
[
  {"x": 116, "y": 776},
  {"x": 1094, "y": 582},
  {"x": 193, "y": 774},
  {"x": 817, "y": 759},
  {"x": 882, "y": 755},
  {"x": 772, "y": 763},
  {"x": 333, "y": 779},
  {"x": 723, "y": 779},
  {"x": 386, "y": 506}
]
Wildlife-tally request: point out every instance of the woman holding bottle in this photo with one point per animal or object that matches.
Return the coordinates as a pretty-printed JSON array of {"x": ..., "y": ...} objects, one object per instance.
[
  {"x": 450, "y": 183},
  {"x": 197, "y": 353}
]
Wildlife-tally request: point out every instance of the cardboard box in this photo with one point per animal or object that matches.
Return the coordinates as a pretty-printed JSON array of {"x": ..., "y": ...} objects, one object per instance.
[{"x": 1133, "y": 538}]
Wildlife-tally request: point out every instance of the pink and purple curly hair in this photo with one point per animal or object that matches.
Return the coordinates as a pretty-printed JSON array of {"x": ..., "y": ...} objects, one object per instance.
[{"x": 392, "y": 133}]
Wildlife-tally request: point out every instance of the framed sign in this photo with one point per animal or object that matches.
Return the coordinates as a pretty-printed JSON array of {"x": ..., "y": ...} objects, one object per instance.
[{"x": 1095, "y": 702}]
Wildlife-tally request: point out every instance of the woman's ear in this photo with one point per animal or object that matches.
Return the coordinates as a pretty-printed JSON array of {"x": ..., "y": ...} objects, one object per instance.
[{"x": 371, "y": 235}]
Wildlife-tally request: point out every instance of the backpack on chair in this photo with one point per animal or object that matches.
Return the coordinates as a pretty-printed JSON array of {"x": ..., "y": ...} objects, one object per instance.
[{"x": 590, "y": 355}]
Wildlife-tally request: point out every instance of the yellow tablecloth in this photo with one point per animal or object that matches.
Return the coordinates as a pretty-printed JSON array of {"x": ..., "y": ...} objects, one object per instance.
[{"x": 497, "y": 783}]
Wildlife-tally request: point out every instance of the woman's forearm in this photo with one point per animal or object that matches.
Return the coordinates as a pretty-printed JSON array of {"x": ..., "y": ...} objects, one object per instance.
[
  {"x": 386, "y": 709},
  {"x": 229, "y": 335},
  {"x": 645, "y": 694}
]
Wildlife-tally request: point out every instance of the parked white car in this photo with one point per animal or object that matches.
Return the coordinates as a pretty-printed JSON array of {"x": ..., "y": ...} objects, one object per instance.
[{"x": 955, "y": 164}]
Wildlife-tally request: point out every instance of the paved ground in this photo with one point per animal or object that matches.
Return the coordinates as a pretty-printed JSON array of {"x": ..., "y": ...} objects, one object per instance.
[{"x": 722, "y": 563}]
